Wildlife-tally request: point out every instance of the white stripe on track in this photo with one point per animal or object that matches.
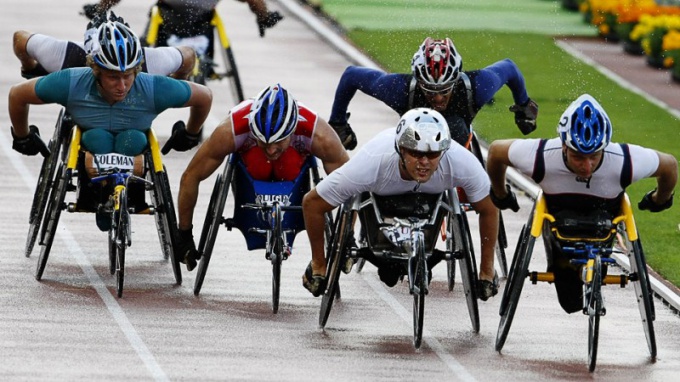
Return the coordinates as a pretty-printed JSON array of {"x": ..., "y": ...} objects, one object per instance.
[{"x": 95, "y": 281}]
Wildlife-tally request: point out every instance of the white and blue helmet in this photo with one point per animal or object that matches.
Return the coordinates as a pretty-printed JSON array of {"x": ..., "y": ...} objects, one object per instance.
[
  {"x": 119, "y": 47},
  {"x": 585, "y": 126},
  {"x": 273, "y": 115}
]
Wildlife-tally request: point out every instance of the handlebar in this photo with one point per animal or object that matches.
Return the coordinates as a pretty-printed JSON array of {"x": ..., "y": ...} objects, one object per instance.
[{"x": 119, "y": 176}]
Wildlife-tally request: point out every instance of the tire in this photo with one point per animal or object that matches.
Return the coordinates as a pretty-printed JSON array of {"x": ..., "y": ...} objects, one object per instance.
[
  {"x": 501, "y": 244},
  {"x": 166, "y": 220},
  {"x": 122, "y": 239},
  {"x": 468, "y": 272},
  {"x": 335, "y": 257},
  {"x": 277, "y": 258},
  {"x": 419, "y": 292},
  {"x": 594, "y": 312},
  {"x": 113, "y": 248},
  {"x": 643, "y": 294},
  {"x": 515, "y": 283},
  {"x": 211, "y": 225},
  {"x": 454, "y": 247},
  {"x": 232, "y": 75},
  {"x": 54, "y": 207}
]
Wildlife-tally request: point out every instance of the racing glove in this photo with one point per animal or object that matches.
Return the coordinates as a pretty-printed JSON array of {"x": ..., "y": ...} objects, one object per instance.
[
  {"x": 510, "y": 200},
  {"x": 30, "y": 144},
  {"x": 185, "y": 249},
  {"x": 648, "y": 204},
  {"x": 345, "y": 132},
  {"x": 525, "y": 116},
  {"x": 181, "y": 139},
  {"x": 268, "y": 21}
]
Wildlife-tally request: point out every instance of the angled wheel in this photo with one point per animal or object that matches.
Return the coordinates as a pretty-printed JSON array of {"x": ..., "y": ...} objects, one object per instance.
[
  {"x": 419, "y": 291},
  {"x": 468, "y": 268},
  {"x": 593, "y": 295},
  {"x": 643, "y": 294},
  {"x": 513, "y": 287},
  {"x": 501, "y": 244},
  {"x": 122, "y": 240},
  {"x": 113, "y": 248},
  {"x": 276, "y": 257},
  {"x": 232, "y": 74},
  {"x": 213, "y": 220},
  {"x": 165, "y": 217},
  {"x": 53, "y": 213},
  {"x": 334, "y": 260},
  {"x": 453, "y": 246}
]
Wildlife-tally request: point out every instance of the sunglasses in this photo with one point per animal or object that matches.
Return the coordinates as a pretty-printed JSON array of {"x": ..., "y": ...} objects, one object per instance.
[
  {"x": 434, "y": 92},
  {"x": 420, "y": 154}
]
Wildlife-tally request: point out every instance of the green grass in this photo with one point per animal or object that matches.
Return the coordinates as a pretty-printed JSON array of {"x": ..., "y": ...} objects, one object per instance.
[{"x": 489, "y": 30}]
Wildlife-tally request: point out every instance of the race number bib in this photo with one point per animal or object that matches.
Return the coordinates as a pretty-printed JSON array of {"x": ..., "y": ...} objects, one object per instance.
[{"x": 114, "y": 160}]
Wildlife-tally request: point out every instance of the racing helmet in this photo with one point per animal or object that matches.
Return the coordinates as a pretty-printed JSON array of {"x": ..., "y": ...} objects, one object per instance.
[
  {"x": 423, "y": 130},
  {"x": 437, "y": 63},
  {"x": 585, "y": 126},
  {"x": 119, "y": 47},
  {"x": 273, "y": 115}
]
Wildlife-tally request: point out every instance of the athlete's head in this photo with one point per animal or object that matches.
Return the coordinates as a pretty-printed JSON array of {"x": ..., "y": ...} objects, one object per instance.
[
  {"x": 436, "y": 66},
  {"x": 119, "y": 47},
  {"x": 422, "y": 136},
  {"x": 273, "y": 118}
]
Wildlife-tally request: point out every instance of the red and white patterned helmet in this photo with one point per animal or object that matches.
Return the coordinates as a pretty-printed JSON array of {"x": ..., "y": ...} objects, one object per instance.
[{"x": 437, "y": 63}]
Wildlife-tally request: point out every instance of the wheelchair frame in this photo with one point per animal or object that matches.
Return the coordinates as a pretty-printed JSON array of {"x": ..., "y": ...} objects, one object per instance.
[
  {"x": 162, "y": 206},
  {"x": 410, "y": 250},
  {"x": 624, "y": 231},
  {"x": 277, "y": 237},
  {"x": 203, "y": 63}
]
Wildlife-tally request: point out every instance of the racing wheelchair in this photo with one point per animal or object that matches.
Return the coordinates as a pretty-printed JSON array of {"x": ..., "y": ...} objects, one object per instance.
[
  {"x": 268, "y": 214},
  {"x": 171, "y": 27},
  {"x": 402, "y": 230},
  {"x": 70, "y": 176},
  {"x": 589, "y": 244}
]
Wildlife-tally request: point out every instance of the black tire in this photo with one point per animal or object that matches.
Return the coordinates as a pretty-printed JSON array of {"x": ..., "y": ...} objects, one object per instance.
[
  {"x": 113, "y": 248},
  {"x": 335, "y": 259},
  {"x": 453, "y": 246},
  {"x": 515, "y": 283},
  {"x": 277, "y": 258},
  {"x": 53, "y": 213},
  {"x": 232, "y": 74},
  {"x": 419, "y": 293},
  {"x": 468, "y": 270},
  {"x": 211, "y": 225},
  {"x": 451, "y": 274},
  {"x": 122, "y": 239},
  {"x": 594, "y": 312},
  {"x": 643, "y": 294},
  {"x": 166, "y": 219},
  {"x": 45, "y": 179},
  {"x": 501, "y": 244}
]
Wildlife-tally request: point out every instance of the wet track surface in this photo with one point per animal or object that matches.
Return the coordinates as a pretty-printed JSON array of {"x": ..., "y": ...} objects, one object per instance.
[{"x": 70, "y": 326}]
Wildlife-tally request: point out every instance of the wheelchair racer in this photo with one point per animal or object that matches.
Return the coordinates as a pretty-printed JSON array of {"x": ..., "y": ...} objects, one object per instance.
[
  {"x": 583, "y": 175},
  {"x": 437, "y": 81},
  {"x": 42, "y": 54},
  {"x": 113, "y": 103},
  {"x": 418, "y": 156},
  {"x": 274, "y": 134}
]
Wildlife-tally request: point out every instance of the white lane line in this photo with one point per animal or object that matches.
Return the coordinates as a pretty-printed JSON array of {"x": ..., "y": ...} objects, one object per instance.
[
  {"x": 74, "y": 249},
  {"x": 459, "y": 370}
]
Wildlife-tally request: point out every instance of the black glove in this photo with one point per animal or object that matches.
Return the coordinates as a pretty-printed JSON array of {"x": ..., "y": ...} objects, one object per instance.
[
  {"x": 648, "y": 204},
  {"x": 185, "y": 249},
  {"x": 510, "y": 200},
  {"x": 345, "y": 132},
  {"x": 30, "y": 144},
  {"x": 115, "y": 18},
  {"x": 91, "y": 11},
  {"x": 268, "y": 21},
  {"x": 525, "y": 116},
  {"x": 181, "y": 139}
]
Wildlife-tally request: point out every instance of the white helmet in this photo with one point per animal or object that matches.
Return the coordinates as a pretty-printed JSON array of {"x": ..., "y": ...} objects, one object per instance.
[
  {"x": 585, "y": 126},
  {"x": 119, "y": 47},
  {"x": 423, "y": 130},
  {"x": 437, "y": 63}
]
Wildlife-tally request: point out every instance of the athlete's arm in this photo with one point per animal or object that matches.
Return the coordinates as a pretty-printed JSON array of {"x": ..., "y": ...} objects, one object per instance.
[
  {"x": 199, "y": 104},
  {"x": 327, "y": 147},
  {"x": 20, "y": 97},
  {"x": 488, "y": 234},
  {"x": 497, "y": 162},
  {"x": 492, "y": 78},
  {"x": 313, "y": 209},
  {"x": 666, "y": 178}
]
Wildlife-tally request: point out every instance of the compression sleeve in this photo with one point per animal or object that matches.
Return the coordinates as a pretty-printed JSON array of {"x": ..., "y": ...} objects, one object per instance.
[
  {"x": 54, "y": 87},
  {"x": 392, "y": 89},
  {"x": 492, "y": 78},
  {"x": 170, "y": 93}
]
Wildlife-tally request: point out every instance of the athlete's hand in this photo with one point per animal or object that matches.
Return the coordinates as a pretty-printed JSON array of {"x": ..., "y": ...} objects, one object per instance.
[
  {"x": 30, "y": 144},
  {"x": 268, "y": 21},
  {"x": 345, "y": 132},
  {"x": 181, "y": 139},
  {"x": 525, "y": 116},
  {"x": 648, "y": 204},
  {"x": 509, "y": 201}
]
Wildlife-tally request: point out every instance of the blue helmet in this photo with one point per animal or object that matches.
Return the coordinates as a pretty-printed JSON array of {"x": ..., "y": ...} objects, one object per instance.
[
  {"x": 273, "y": 115},
  {"x": 585, "y": 126}
]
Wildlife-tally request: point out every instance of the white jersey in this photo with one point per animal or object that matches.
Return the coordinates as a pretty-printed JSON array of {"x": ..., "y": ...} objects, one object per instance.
[
  {"x": 375, "y": 168},
  {"x": 559, "y": 182}
]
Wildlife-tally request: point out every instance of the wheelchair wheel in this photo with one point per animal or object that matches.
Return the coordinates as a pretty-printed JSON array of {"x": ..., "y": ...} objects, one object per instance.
[
  {"x": 515, "y": 283},
  {"x": 113, "y": 248},
  {"x": 501, "y": 244},
  {"x": 643, "y": 294},
  {"x": 276, "y": 258},
  {"x": 213, "y": 220},
  {"x": 166, "y": 220},
  {"x": 453, "y": 247},
  {"x": 468, "y": 269},
  {"x": 232, "y": 74},
  {"x": 122, "y": 240},
  {"x": 334, "y": 260},
  {"x": 53, "y": 213},
  {"x": 594, "y": 298},
  {"x": 419, "y": 291},
  {"x": 45, "y": 179}
]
